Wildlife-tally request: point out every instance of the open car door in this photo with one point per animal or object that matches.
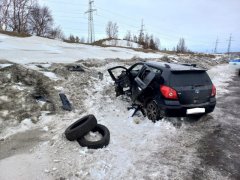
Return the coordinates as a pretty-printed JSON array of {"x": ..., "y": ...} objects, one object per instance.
[
  {"x": 143, "y": 80},
  {"x": 120, "y": 76},
  {"x": 115, "y": 72}
]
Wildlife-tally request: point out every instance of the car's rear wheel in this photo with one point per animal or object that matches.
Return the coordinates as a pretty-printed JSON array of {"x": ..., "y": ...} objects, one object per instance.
[{"x": 154, "y": 112}]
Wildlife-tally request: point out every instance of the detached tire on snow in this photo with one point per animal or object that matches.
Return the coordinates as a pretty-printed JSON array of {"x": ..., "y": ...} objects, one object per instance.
[
  {"x": 96, "y": 144},
  {"x": 81, "y": 127}
]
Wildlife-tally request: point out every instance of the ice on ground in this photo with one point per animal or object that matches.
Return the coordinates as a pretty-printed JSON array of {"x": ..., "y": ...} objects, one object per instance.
[
  {"x": 5, "y": 65},
  {"x": 25, "y": 125},
  {"x": 24, "y": 166},
  {"x": 51, "y": 75}
]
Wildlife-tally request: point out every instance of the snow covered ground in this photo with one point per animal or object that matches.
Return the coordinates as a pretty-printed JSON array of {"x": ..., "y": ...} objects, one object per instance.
[
  {"x": 36, "y": 49},
  {"x": 139, "y": 149},
  {"x": 122, "y": 43}
]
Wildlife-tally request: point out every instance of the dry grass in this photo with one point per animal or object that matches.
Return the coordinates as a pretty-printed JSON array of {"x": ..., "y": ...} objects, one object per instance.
[
  {"x": 71, "y": 42},
  {"x": 15, "y": 34},
  {"x": 101, "y": 41}
]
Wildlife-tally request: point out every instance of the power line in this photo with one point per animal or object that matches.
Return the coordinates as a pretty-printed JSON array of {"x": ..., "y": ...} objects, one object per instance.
[
  {"x": 107, "y": 17},
  {"x": 64, "y": 2},
  {"x": 167, "y": 36},
  {"x": 156, "y": 29},
  {"x": 91, "y": 36},
  {"x": 162, "y": 35},
  {"x": 118, "y": 14}
]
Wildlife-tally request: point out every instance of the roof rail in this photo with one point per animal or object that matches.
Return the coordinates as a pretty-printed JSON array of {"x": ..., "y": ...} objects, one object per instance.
[
  {"x": 167, "y": 66},
  {"x": 193, "y": 65}
]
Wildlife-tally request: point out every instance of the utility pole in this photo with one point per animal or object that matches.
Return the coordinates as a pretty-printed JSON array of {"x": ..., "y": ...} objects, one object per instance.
[
  {"x": 142, "y": 28},
  {"x": 229, "y": 44},
  {"x": 216, "y": 46},
  {"x": 91, "y": 34},
  {"x": 141, "y": 35}
]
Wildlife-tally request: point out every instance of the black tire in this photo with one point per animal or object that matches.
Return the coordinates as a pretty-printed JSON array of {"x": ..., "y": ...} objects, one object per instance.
[
  {"x": 96, "y": 144},
  {"x": 81, "y": 127},
  {"x": 154, "y": 112}
]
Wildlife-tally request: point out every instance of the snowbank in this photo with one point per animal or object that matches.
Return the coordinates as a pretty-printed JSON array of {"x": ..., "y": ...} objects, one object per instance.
[{"x": 37, "y": 49}]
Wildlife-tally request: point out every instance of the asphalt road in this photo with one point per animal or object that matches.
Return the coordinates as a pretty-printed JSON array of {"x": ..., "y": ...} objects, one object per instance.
[{"x": 219, "y": 150}]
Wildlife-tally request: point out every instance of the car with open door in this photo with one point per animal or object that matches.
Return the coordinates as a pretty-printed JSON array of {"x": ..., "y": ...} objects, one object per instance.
[{"x": 165, "y": 89}]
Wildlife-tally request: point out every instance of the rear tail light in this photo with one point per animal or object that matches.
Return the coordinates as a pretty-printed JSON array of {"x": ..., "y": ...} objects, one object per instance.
[
  {"x": 214, "y": 91},
  {"x": 168, "y": 92}
]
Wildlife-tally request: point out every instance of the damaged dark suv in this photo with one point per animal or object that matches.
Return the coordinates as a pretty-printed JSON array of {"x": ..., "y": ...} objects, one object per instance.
[{"x": 165, "y": 89}]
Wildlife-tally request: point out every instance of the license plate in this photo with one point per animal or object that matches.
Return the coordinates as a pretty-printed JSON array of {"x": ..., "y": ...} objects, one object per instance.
[{"x": 196, "y": 111}]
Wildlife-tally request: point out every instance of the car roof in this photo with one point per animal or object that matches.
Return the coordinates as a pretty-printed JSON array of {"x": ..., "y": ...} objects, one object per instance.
[{"x": 174, "y": 66}]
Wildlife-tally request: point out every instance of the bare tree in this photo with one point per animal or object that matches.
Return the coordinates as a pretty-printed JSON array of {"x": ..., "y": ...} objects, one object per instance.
[
  {"x": 157, "y": 43},
  {"x": 181, "y": 46},
  {"x": 128, "y": 38},
  {"x": 146, "y": 41},
  {"x": 26, "y": 16},
  {"x": 174, "y": 49},
  {"x": 41, "y": 20},
  {"x": 135, "y": 39},
  {"x": 72, "y": 38},
  {"x": 109, "y": 29},
  {"x": 152, "y": 44},
  {"x": 112, "y": 30},
  {"x": 19, "y": 14},
  {"x": 56, "y": 33},
  {"x": 77, "y": 40},
  {"x": 141, "y": 39},
  {"x": 4, "y": 14}
]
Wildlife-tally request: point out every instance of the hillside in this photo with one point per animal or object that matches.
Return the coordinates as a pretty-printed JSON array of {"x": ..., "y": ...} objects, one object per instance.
[
  {"x": 121, "y": 43},
  {"x": 35, "y": 49}
]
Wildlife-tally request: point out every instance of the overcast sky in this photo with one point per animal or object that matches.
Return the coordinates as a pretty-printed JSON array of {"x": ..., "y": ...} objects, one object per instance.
[{"x": 200, "y": 22}]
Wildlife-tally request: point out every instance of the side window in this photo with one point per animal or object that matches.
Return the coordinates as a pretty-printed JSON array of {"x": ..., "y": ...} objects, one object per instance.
[
  {"x": 137, "y": 67},
  {"x": 149, "y": 69},
  {"x": 155, "y": 70},
  {"x": 144, "y": 74}
]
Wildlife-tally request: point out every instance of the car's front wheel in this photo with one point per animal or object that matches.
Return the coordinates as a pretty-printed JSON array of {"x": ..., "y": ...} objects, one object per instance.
[{"x": 154, "y": 112}]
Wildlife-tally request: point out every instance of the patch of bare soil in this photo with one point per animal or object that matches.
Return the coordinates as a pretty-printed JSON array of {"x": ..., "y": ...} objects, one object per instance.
[{"x": 25, "y": 93}]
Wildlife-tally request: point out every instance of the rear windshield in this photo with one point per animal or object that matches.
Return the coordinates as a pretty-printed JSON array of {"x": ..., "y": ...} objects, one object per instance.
[{"x": 189, "y": 79}]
